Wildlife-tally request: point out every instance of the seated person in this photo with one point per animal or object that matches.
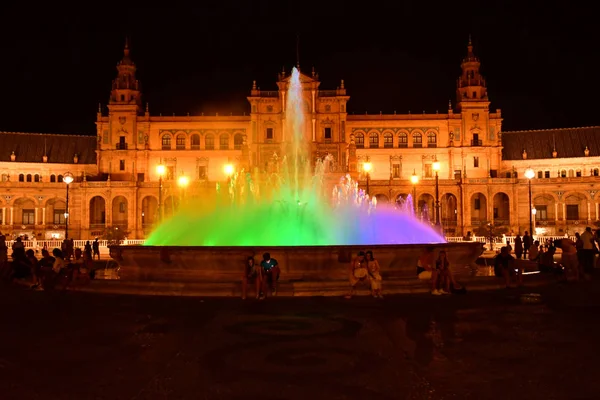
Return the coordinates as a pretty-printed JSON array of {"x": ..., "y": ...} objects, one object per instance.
[
  {"x": 446, "y": 278},
  {"x": 358, "y": 272},
  {"x": 252, "y": 273},
  {"x": 271, "y": 271},
  {"x": 548, "y": 265},
  {"x": 426, "y": 269},
  {"x": 506, "y": 263},
  {"x": 534, "y": 251},
  {"x": 569, "y": 259}
]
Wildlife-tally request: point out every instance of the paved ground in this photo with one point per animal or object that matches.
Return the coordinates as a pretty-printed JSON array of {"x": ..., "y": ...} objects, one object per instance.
[{"x": 69, "y": 345}]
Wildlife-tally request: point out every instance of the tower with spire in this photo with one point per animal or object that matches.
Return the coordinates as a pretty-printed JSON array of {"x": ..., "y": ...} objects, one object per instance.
[
  {"x": 125, "y": 87},
  {"x": 471, "y": 85},
  {"x": 119, "y": 130}
]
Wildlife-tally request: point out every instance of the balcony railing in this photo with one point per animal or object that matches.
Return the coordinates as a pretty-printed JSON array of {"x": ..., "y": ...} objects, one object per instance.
[
  {"x": 327, "y": 93},
  {"x": 477, "y": 142},
  {"x": 121, "y": 146}
]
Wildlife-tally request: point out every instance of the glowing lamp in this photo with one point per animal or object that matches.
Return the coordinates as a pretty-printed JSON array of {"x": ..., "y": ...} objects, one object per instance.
[
  {"x": 228, "y": 169},
  {"x": 161, "y": 169},
  {"x": 367, "y": 167},
  {"x": 183, "y": 181},
  {"x": 529, "y": 173},
  {"x": 68, "y": 178},
  {"x": 533, "y": 211},
  {"x": 436, "y": 166},
  {"x": 414, "y": 178}
]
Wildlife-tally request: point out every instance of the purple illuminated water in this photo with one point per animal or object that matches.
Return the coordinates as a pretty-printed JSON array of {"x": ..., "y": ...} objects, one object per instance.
[{"x": 293, "y": 207}]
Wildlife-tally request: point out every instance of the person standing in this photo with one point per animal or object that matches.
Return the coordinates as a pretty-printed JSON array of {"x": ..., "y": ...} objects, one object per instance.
[
  {"x": 96, "y": 248},
  {"x": 527, "y": 242},
  {"x": 588, "y": 251},
  {"x": 518, "y": 247}
]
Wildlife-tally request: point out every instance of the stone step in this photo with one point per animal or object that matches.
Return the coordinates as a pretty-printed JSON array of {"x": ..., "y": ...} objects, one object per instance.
[{"x": 287, "y": 288}]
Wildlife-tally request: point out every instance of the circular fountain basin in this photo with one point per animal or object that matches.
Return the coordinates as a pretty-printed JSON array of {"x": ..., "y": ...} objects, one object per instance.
[{"x": 205, "y": 263}]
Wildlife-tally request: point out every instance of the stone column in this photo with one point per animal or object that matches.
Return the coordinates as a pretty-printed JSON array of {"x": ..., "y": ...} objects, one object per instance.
[
  {"x": 589, "y": 212},
  {"x": 314, "y": 133},
  {"x": 35, "y": 215},
  {"x": 4, "y": 216},
  {"x": 556, "y": 213},
  {"x": 44, "y": 216},
  {"x": 12, "y": 221}
]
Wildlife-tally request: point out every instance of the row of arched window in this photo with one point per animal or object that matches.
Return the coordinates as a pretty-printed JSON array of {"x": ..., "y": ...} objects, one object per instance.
[
  {"x": 34, "y": 178},
  {"x": 388, "y": 139},
  {"x": 209, "y": 142}
]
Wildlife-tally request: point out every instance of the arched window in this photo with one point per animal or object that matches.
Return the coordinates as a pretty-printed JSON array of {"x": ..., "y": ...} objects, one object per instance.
[
  {"x": 166, "y": 142},
  {"x": 224, "y": 141},
  {"x": 180, "y": 142},
  {"x": 21, "y": 178},
  {"x": 431, "y": 139},
  {"x": 29, "y": 178},
  {"x": 373, "y": 139},
  {"x": 36, "y": 178},
  {"x": 60, "y": 179},
  {"x": 388, "y": 140},
  {"x": 238, "y": 141},
  {"x": 402, "y": 139},
  {"x": 52, "y": 178},
  {"x": 195, "y": 142},
  {"x": 360, "y": 141},
  {"x": 417, "y": 139},
  {"x": 209, "y": 142}
]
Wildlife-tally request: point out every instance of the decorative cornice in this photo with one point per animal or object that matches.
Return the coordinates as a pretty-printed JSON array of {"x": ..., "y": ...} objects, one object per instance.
[
  {"x": 202, "y": 131},
  {"x": 396, "y": 130}
]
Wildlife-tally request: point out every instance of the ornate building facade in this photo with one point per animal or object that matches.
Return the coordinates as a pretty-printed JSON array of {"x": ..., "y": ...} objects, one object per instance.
[{"x": 480, "y": 178}]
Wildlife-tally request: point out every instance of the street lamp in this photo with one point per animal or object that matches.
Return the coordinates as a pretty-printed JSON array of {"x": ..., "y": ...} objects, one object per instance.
[
  {"x": 67, "y": 178},
  {"x": 414, "y": 180},
  {"x": 229, "y": 169},
  {"x": 160, "y": 171},
  {"x": 183, "y": 182},
  {"x": 436, "y": 168},
  {"x": 367, "y": 167},
  {"x": 529, "y": 174}
]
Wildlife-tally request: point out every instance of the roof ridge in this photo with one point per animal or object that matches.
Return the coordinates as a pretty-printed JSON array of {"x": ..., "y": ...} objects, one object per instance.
[
  {"x": 553, "y": 129},
  {"x": 45, "y": 134}
]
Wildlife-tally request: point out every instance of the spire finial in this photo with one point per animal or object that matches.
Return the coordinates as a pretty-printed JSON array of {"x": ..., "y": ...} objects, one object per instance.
[
  {"x": 298, "y": 51},
  {"x": 449, "y": 104},
  {"x": 99, "y": 108},
  {"x": 253, "y": 85},
  {"x": 470, "y": 41},
  {"x": 147, "y": 107},
  {"x": 126, "y": 49}
]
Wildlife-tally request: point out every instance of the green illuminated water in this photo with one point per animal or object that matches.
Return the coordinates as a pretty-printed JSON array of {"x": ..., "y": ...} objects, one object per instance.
[{"x": 291, "y": 207}]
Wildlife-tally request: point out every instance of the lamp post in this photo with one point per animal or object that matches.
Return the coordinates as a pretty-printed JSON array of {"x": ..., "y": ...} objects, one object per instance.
[
  {"x": 160, "y": 171},
  {"x": 367, "y": 167},
  {"x": 436, "y": 168},
  {"x": 67, "y": 178},
  {"x": 529, "y": 174},
  {"x": 414, "y": 180}
]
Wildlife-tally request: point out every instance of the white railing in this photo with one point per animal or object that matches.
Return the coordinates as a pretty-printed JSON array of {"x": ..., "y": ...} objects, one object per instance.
[{"x": 51, "y": 244}]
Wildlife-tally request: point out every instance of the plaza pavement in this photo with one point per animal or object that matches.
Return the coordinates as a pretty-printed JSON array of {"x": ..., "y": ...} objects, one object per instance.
[{"x": 482, "y": 345}]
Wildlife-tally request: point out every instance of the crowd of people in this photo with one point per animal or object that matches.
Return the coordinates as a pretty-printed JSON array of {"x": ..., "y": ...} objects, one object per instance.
[
  {"x": 578, "y": 257},
  {"x": 62, "y": 267}
]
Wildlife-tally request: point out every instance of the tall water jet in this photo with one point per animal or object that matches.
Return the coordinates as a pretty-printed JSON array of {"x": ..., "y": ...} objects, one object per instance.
[{"x": 291, "y": 206}]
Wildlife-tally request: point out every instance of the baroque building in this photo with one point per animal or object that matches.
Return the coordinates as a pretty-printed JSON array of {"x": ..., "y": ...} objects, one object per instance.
[{"x": 481, "y": 175}]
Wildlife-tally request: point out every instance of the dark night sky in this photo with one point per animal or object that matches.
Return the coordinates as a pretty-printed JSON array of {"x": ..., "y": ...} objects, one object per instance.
[{"x": 57, "y": 62}]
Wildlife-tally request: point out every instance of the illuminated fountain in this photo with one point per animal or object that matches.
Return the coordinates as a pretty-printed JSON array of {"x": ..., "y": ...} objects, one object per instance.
[
  {"x": 313, "y": 229},
  {"x": 294, "y": 209}
]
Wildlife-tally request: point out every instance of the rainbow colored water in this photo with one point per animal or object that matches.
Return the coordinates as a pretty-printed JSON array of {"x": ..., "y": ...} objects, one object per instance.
[{"x": 293, "y": 207}]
